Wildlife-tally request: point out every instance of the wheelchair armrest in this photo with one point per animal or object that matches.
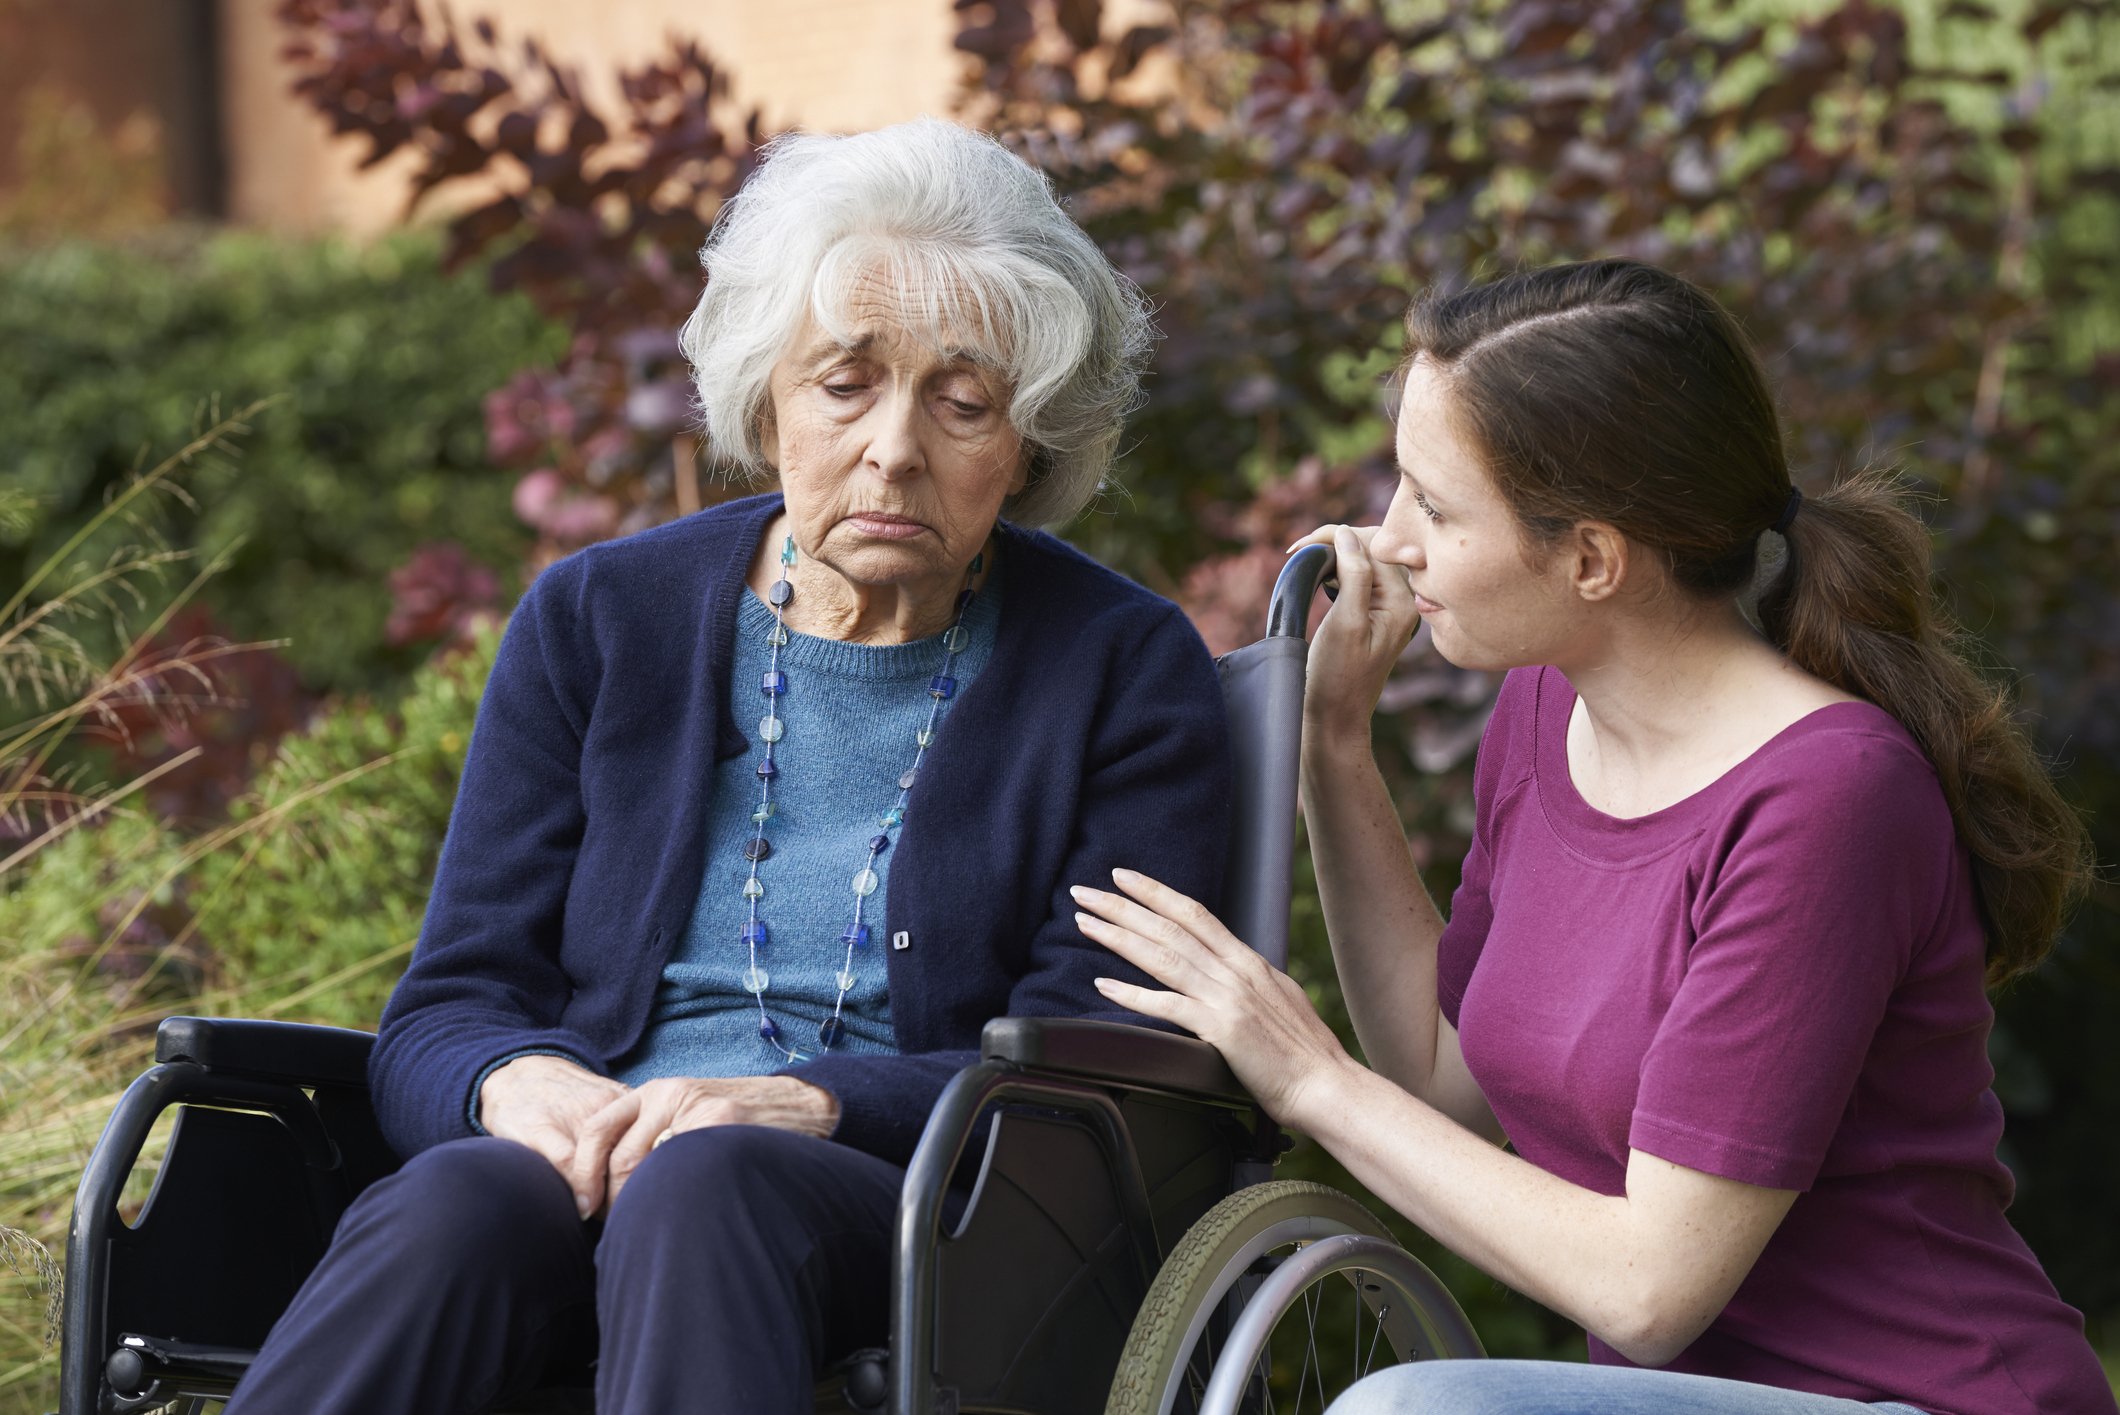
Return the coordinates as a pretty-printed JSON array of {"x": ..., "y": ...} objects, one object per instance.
[
  {"x": 279, "y": 1051},
  {"x": 1114, "y": 1051}
]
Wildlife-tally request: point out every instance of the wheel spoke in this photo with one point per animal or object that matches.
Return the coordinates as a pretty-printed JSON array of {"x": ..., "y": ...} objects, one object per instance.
[
  {"x": 1369, "y": 1360},
  {"x": 1355, "y": 1347},
  {"x": 1311, "y": 1346}
]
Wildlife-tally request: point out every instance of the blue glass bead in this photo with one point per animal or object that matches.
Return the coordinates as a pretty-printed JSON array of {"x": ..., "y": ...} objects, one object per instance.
[
  {"x": 893, "y": 818},
  {"x": 964, "y": 600},
  {"x": 754, "y": 932},
  {"x": 767, "y": 771},
  {"x": 780, "y": 593},
  {"x": 978, "y": 564},
  {"x": 757, "y": 848},
  {"x": 865, "y": 881},
  {"x": 942, "y": 686},
  {"x": 774, "y": 684},
  {"x": 855, "y": 936},
  {"x": 879, "y": 844},
  {"x": 769, "y": 1029},
  {"x": 828, "y": 1035},
  {"x": 764, "y": 812},
  {"x": 787, "y": 551}
]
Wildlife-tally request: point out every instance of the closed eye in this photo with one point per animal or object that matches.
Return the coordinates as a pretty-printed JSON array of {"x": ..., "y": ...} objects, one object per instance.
[{"x": 1420, "y": 499}]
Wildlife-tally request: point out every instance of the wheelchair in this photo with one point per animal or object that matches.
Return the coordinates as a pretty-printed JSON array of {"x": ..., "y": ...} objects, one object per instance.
[{"x": 1123, "y": 1247}]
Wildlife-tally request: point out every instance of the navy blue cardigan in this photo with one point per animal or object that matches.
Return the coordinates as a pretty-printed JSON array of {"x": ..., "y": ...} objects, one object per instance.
[{"x": 1093, "y": 738}]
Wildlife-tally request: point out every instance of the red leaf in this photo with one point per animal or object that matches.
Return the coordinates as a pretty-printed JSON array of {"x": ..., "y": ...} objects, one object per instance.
[
  {"x": 517, "y": 135},
  {"x": 1081, "y": 21},
  {"x": 480, "y": 227},
  {"x": 1135, "y": 45},
  {"x": 588, "y": 131}
]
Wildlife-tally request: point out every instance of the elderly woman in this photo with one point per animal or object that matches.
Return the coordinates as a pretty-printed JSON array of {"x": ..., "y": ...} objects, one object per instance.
[{"x": 767, "y": 811}]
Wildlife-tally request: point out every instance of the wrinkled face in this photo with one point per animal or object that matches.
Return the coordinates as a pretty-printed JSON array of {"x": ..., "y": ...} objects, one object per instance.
[
  {"x": 895, "y": 455},
  {"x": 1487, "y": 603}
]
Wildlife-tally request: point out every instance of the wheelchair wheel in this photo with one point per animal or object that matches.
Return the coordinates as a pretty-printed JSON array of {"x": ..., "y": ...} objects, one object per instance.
[{"x": 1282, "y": 1296}]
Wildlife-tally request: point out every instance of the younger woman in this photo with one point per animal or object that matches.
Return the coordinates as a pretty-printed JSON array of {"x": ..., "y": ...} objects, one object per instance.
[{"x": 1717, "y": 968}]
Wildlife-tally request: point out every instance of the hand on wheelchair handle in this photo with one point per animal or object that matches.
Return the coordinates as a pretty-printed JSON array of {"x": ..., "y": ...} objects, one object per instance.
[{"x": 1363, "y": 635}]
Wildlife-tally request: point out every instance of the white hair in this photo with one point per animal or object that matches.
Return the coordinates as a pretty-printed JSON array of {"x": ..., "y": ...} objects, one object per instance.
[{"x": 975, "y": 239}]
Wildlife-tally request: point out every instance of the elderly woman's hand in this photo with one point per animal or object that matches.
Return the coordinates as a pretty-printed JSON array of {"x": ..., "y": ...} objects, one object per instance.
[
  {"x": 617, "y": 1138},
  {"x": 1220, "y": 990},
  {"x": 545, "y": 1102},
  {"x": 1361, "y": 638}
]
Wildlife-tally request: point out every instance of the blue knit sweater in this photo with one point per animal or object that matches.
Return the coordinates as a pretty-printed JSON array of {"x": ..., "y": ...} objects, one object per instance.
[
  {"x": 575, "y": 853},
  {"x": 850, "y": 712}
]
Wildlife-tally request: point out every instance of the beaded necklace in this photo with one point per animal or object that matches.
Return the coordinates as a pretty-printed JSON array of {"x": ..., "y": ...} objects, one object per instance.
[{"x": 771, "y": 729}]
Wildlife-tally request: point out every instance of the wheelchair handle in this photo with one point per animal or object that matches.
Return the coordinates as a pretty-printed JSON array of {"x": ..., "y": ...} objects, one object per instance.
[{"x": 1288, "y": 615}]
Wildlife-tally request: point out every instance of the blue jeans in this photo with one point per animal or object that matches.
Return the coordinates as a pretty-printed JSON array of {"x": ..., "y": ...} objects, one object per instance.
[{"x": 1563, "y": 1388}]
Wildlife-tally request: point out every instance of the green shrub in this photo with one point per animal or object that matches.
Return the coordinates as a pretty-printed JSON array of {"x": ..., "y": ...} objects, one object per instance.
[
  {"x": 304, "y": 906},
  {"x": 348, "y": 822},
  {"x": 375, "y": 443},
  {"x": 307, "y": 900}
]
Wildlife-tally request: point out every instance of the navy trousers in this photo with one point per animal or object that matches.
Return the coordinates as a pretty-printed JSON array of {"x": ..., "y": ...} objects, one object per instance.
[{"x": 736, "y": 1263}]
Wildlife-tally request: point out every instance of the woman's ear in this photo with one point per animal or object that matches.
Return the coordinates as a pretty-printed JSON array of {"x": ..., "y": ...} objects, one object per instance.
[{"x": 1599, "y": 559}]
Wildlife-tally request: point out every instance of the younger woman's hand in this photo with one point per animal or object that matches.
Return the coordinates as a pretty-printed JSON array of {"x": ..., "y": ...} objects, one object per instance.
[
  {"x": 1220, "y": 990},
  {"x": 1362, "y": 635}
]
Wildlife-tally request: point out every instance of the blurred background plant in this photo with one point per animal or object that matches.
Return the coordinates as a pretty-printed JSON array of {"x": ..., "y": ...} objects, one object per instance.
[
  {"x": 59, "y": 678},
  {"x": 1910, "y": 205},
  {"x": 377, "y": 452},
  {"x": 302, "y": 898}
]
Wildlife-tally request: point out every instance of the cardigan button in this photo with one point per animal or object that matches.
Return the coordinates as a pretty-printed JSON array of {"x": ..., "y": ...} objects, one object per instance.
[{"x": 901, "y": 940}]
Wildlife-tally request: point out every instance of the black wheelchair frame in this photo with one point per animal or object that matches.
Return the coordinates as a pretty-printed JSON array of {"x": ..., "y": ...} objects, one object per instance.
[{"x": 1107, "y": 1142}]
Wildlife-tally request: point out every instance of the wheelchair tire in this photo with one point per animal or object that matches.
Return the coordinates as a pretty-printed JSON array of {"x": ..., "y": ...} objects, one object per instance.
[{"x": 1204, "y": 1340}]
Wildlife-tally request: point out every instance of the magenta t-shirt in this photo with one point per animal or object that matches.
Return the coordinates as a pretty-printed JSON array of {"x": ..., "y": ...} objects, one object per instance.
[{"x": 1776, "y": 980}]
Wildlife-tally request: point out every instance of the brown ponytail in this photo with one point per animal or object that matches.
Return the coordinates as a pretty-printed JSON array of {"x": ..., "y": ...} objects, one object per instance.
[
  {"x": 1854, "y": 606},
  {"x": 1617, "y": 392}
]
